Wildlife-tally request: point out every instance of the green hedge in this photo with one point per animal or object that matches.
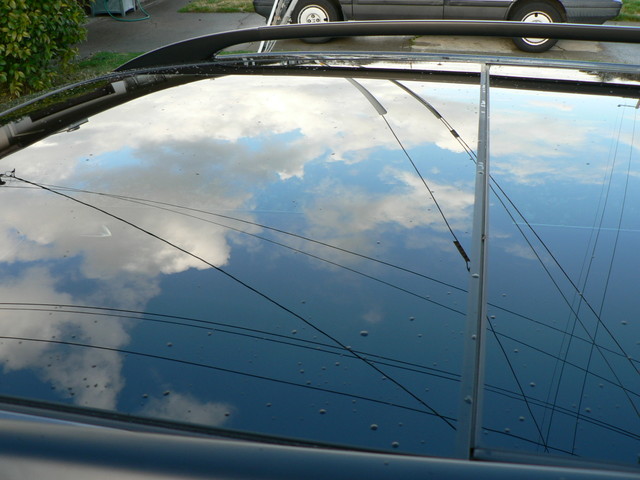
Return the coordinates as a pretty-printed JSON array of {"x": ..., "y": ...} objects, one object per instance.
[{"x": 36, "y": 41}]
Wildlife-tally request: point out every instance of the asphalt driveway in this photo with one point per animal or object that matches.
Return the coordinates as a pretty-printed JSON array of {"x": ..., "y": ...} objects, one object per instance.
[{"x": 166, "y": 26}]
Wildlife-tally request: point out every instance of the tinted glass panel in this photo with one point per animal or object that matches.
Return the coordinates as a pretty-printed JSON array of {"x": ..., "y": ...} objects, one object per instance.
[
  {"x": 276, "y": 255},
  {"x": 257, "y": 254},
  {"x": 562, "y": 369}
]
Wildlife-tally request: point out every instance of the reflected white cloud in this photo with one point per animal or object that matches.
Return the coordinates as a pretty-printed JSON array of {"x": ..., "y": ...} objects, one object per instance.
[
  {"x": 186, "y": 408},
  {"x": 512, "y": 133},
  {"x": 555, "y": 137},
  {"x": 217, "y": 158},
  {"x": 374, "y": 315},
  {"x": 553, "y": 105},
  {"x": 91, "y": 376},
  {"x": 521, "y": 251},
  {"x": 39, "y": 284},
  {"x": 409, "y": 205}
]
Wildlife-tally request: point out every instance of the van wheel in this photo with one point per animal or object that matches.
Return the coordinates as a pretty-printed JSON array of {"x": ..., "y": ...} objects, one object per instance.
[
  {"x": 536, "y": 12},
  {"x": 315, "y": 11}
]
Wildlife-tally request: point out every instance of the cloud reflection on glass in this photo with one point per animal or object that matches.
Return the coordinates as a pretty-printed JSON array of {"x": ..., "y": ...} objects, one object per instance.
[{"x": 263, "y": 223}]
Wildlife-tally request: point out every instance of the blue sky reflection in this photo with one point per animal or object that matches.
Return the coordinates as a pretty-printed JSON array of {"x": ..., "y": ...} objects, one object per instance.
[
  {"x": 564, "y": 297},
  {"x": 254, "y": 243}
]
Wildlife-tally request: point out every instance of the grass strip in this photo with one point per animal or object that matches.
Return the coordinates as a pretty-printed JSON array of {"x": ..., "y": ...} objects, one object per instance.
[
  {"x": 218, "y": 6},
  {"x": 630, "y": 11}
]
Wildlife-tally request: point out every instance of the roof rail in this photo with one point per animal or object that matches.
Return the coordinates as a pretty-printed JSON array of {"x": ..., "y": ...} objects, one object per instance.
[{"x": 204, "y": 48}]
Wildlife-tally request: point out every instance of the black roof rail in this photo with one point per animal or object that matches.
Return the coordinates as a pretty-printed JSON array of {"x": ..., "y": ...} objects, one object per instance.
[{"x": 204, "y": 48}]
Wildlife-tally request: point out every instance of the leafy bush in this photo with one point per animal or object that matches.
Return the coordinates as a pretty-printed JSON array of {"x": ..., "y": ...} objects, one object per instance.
[{"x": 36, "y": 41}]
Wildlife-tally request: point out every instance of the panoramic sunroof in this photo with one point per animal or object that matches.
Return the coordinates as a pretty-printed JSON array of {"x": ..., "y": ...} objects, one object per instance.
[{"x": 297, "y": 262}]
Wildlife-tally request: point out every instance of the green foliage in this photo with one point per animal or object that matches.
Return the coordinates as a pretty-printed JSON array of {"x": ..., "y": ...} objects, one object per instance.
[
  {"x": 36, "y": 41},
  {"x": 630, "y": 11},
  {"x": 103, "y": 62},
  {"x": 218, "y": 6}
]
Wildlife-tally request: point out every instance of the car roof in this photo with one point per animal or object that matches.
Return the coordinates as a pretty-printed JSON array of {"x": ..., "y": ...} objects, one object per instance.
[{"x": 305, "y": 248}]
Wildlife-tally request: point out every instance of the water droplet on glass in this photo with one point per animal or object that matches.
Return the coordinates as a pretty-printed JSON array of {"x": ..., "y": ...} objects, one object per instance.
[
  {"x": 373, "y": 426},
  {"x": 167, "y": 392},
  {"x": 395, "y": 444},
  {"x": 507, "y": 430},
  {"x": 532, "y": 384},
  {"x": 169, "y": 344},
  {"x": 411, "y": 319},
  {"x": 521, "y": 418},
  {"x": 364, "y": 333},
  {"x": 293, "y": 332},
  {"x": 515, "y": 350},
  {"x": 588, "y": 410},
  {"x": 322, "y": 411}
]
